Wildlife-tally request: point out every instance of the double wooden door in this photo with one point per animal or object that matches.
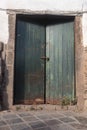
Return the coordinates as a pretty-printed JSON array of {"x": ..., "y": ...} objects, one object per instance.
[{"x": 44, "y": 61}]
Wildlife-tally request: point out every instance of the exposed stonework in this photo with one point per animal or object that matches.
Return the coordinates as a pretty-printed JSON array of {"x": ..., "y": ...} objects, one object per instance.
[
  {"x": 9, "y": 49},
  {"x": 85, "y": 77},
  {"x": 79, "y": 62},
  {"x": 2, "y": 74}
]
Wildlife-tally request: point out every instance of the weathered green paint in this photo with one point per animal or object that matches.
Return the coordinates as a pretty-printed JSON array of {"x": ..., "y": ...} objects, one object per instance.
[
  {"x": 36, "y": 78},
  {"x": 60, "y": 68},
  {"x": 29, "y": 68}
]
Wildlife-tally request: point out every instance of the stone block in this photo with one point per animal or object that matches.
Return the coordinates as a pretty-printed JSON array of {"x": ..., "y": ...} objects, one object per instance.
[{"x": 10, "y": 58}]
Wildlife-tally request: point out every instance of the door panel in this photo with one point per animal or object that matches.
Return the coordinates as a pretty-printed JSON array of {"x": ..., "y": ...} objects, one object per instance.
[
  {"x": 60, "y": 68},
  {"x": 29, "y": 68},
  {"x": 32, "y": 82}
]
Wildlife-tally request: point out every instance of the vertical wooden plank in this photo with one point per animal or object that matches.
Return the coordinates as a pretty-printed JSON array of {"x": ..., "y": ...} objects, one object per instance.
[
  {"x": 68, "y": 40},
  {"x": 19, "y": 67},
  {"x": 51, "y": 67},
  {"x": 71, "y": 60},
  {"x": 30, "y": 72},
  {"x": 35, "y": 66},
  {"x": 60, "y": 59},
  {"x": 65, "y": 60},
  {"x": 60, "y": 68},
  {"x": 47, "y": 65}
]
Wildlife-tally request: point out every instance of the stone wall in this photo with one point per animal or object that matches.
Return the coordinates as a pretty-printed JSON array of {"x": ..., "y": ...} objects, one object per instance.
[
  {"x": 9, "y": 50},
  {"x": 2, "y": 74},
  {"x": 79, "y": 62},
  {"x": 85, "y": 78}
]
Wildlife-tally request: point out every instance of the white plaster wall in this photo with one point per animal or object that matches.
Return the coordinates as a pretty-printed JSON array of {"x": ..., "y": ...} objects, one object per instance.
[
  {"x": 3, "y": 4},
  {"x": 84, "y": 5},
  {"x": 58, "y": 5},
  {"x": 4, "y": 27}
]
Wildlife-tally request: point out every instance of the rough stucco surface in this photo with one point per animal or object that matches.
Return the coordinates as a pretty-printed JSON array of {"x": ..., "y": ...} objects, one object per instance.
[{"x": 4, "y": 27}]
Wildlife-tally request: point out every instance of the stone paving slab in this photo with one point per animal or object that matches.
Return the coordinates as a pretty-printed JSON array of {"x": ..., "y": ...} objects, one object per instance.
[
  {"x": 62, "y": 127},
  {"x": 45, "y": 117},
  {"x": 43, "y": 120},
  {"x": 5, "y": 128},
  {"x": 14, "y": 121},
  {"x": 30, "y": 119},
  {"x": 79, "y": 126},
  {"x": 53, "y": 122},
  {"x": 38, "y": 124},
  {"x": 45, "y": 128},
  {"x": 24, "y": 114},
  {"x": 2, "y": 123},
  {"x": 82, "y": 120},
  {"x": 20, "y": 127},
  {"x": 57, "y": 115},
  {"x": 9, "y": 116},
  {"x": 67, "y": 119}
]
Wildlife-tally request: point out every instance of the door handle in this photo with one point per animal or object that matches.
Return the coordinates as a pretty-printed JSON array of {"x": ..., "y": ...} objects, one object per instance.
[{"x": 45, "y": 58}]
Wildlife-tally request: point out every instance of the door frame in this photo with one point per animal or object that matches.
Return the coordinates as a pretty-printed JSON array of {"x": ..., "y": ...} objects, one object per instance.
[{"x": 10, "y": 52}]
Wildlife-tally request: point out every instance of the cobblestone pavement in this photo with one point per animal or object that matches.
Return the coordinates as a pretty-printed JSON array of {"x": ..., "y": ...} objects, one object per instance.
[{"x": 43, "y": 120}]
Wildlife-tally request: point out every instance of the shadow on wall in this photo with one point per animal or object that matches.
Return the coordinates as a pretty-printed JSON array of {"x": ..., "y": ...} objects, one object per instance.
[{"x": 3, "y": 80}]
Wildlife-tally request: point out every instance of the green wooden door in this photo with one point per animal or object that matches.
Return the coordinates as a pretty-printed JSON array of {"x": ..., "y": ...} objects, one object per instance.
[
  {"x": 36, "y": 78},
  {"x": 29, "y": 68},
  {"x": 60, "y": 68}
]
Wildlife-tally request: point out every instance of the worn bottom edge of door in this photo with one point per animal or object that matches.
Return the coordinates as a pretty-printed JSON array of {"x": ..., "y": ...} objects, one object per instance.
[
  {"x": 53, "y": 101},
  {"x": 30, "y": 102},
  {"x": 39, "y": 101}
]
